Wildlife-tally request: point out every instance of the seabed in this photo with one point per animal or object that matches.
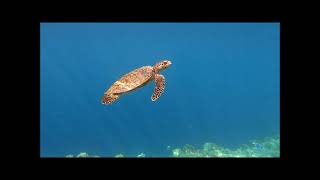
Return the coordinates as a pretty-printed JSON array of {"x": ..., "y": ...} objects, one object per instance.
[{"x": 266, "y": 147}]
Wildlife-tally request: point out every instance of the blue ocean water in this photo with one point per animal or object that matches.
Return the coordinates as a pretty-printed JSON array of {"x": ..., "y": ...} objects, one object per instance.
[{"x": 223, "y": 86}]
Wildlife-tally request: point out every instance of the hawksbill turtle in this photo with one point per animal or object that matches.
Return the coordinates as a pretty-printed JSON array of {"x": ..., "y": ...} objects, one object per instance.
[{"x": 136, "y": 79}]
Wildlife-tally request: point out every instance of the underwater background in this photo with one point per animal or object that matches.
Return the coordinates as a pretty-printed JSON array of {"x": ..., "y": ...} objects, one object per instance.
[{"x": 222, "y": 89}]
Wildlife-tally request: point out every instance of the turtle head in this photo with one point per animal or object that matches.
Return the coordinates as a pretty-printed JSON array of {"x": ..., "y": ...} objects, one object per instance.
[{"x": 162, "y": 65}]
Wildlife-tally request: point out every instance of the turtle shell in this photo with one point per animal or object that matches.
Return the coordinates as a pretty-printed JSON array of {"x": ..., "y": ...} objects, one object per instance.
[{"x": 132, "y": 80}]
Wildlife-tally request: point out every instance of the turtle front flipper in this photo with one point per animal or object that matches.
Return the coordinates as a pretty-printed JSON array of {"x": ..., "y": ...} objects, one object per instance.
[
  {"x": 109, "y": 98},
  {"x": 158, "y": 90}
]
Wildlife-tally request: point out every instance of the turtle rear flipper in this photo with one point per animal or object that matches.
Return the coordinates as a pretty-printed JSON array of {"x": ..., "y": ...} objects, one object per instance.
[{"x": 159, "y": 88}]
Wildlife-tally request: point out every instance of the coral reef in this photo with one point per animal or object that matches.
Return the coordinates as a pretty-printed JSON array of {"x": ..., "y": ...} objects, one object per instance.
[
  {"x": 119, "y": 155},
  {"x": 86, "y": 155},
  {"x": 81, "y": 155},
  {"x": 267, "y": 147},
  {"x": 141, "y": 155}
]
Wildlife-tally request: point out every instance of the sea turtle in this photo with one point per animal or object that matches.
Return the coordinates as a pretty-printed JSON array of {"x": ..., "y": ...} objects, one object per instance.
[{"x": 136, "y": 79}]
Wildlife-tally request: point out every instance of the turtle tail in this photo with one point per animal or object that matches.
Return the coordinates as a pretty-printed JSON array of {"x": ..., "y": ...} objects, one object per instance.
[{"x": 109, "y": 98}]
